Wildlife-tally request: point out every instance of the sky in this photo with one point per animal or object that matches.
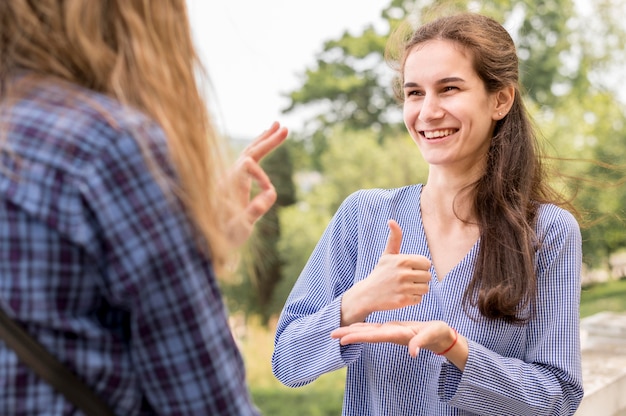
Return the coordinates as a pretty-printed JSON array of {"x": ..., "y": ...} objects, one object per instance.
[{"x": 255, "y": 51}]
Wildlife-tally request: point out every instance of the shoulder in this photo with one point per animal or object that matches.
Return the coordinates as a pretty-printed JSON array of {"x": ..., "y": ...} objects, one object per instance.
[
  {"x": 60, "y": 99},
  {"x": 67, "y": 125},
  {"x": 551, "y": 218},
  {"x": 67, "y": 130},
  {"x": 367, "y": 208},
  {"x": 70, "y": 147},
  {"x": 557, "y": 232}
]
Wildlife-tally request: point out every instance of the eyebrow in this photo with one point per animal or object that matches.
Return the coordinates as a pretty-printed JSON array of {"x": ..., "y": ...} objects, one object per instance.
[{"x": 441, "y": 81}]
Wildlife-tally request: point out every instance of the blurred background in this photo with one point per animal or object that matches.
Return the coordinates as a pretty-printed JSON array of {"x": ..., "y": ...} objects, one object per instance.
[{"x": 317, "y": 67}]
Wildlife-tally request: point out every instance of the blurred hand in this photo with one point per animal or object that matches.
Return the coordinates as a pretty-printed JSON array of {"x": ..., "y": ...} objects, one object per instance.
[
  {"x": 246, "y": 170},
  {"x": 398, "y": 280}
]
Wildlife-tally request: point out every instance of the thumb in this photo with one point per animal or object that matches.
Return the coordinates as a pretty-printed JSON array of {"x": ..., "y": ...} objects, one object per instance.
[{"x": 395, "y": 238}]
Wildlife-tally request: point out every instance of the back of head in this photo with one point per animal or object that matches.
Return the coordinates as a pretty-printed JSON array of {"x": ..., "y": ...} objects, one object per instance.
[
  {"x": 139, "y": 52},
  {"x": 100, "y": 45}
]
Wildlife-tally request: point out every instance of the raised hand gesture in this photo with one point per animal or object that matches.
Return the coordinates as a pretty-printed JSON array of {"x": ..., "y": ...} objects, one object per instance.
[
  {"x": 246, "y": 170},
  {"x": 398, "y": 280}
]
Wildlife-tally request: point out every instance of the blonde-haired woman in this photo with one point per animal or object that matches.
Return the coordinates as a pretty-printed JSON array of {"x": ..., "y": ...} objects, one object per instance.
[{"x": 116, "y": 210}]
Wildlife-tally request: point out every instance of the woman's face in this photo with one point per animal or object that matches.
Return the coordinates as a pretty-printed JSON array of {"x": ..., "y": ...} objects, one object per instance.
[{"x": 447, "y": 109}]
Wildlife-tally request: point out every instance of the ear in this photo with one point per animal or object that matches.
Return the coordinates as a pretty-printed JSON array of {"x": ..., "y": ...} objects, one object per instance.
[{"x": 503, "y": 102}]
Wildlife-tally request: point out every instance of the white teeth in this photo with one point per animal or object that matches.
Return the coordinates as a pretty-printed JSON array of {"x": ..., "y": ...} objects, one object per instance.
[{"x": 436, "y": 134}]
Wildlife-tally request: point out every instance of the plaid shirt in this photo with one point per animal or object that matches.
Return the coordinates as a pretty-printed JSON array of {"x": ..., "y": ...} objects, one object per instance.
[{"x": 103, "y": 269}]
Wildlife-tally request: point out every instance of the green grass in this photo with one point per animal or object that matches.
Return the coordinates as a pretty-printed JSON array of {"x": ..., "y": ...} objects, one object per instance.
[
  {"x": 324, "y": 396},
  {"x": 317, "y": 399},
  {"x": 605, "y": 297}
]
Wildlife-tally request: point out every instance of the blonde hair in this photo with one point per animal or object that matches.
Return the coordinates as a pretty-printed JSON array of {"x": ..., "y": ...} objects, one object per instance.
[{"x": 141, "y": 53}]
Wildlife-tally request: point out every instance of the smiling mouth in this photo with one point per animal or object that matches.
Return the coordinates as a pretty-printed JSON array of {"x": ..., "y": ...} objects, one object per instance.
[{"x": 438, "y": 134}]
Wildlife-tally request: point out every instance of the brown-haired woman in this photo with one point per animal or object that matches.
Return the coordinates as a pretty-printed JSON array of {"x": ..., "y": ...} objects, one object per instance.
[
  {"x": 478, "y": 269},
  {"x": 117, "y": 210}
]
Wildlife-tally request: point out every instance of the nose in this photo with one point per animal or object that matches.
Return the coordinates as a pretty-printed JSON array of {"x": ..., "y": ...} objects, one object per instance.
[{"x": 431, "y": 108}]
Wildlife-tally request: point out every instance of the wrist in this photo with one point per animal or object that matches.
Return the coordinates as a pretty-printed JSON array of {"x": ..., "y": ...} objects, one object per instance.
[
  {"x": 351, "y": 309},
  {"x": 455, "y": 336}
]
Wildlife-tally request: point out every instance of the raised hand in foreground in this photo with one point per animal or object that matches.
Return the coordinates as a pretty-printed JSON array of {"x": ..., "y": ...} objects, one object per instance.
[{"x": 247, "y": 169}]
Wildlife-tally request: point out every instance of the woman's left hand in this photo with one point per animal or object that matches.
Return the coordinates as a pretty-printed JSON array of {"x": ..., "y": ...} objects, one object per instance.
[{"x": 436, "y": 336}]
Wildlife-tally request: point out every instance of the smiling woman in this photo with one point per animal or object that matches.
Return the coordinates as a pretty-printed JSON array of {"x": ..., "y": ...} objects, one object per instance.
[
  {"x": 465, "y": 270},
  {"x": 447, "y": 110}
]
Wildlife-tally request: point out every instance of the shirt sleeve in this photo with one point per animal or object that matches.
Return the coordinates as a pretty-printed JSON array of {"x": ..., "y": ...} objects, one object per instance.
[
  {"x": 185, "y": 358},
  {"x": 303, "y": 348},
  {"x": 548, "y": 380}
]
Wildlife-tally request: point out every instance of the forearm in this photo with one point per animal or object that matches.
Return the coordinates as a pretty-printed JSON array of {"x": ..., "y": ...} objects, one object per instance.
[
  {"x": 303, "y": 347},
  {"x": 508, "y": 383}
]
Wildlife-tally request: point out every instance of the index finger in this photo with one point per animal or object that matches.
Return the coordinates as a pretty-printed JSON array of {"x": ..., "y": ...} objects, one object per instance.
[
  {"x": 357, "y": 327},
  {"x": 398, "y": 334},
  {"x": 267, "y": 141}
]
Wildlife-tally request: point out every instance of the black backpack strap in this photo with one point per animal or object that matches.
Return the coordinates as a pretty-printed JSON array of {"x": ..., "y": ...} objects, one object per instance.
[{"x": 50, "y": 369}]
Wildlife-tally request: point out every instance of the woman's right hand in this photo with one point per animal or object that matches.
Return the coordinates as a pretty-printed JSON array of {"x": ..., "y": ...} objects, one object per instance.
[
  {"x": 398, "y": 280},
  {"x": 247, "y": 169}
]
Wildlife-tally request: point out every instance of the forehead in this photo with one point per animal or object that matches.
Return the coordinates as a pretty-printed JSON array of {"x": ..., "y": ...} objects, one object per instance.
[{"x": 439, "y": 59}]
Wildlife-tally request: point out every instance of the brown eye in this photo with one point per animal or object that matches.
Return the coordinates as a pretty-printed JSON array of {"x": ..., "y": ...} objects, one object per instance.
[{"x": 413, "y": 93}]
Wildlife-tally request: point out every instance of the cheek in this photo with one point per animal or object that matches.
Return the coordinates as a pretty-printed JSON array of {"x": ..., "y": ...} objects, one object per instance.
[{"x": 409, "y": 113}]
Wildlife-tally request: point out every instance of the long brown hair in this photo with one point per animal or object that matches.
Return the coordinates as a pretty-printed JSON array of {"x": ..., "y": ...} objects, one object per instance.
[
  {"x": 141, "y": 53},
  {"x": 506, "y": 197}
]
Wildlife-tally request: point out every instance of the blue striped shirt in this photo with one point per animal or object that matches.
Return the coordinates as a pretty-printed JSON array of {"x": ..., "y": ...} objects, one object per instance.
[
  {"x": 533, "y": 369},
  {"x": 103, "y": 269}
]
